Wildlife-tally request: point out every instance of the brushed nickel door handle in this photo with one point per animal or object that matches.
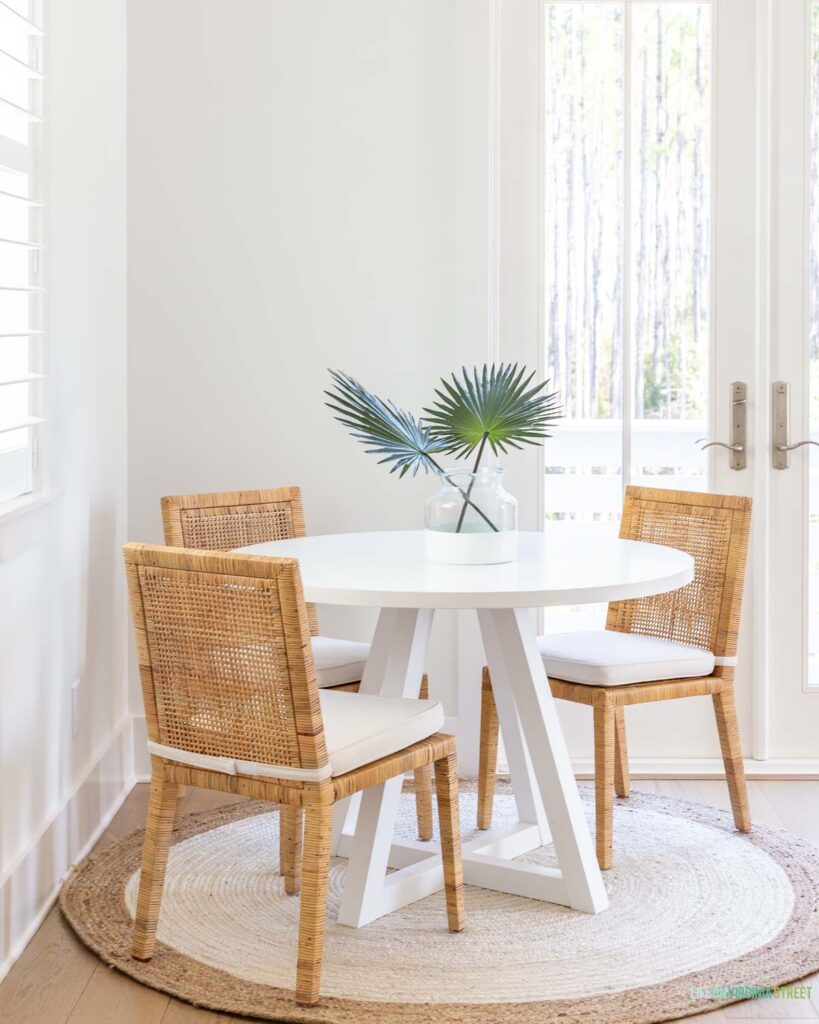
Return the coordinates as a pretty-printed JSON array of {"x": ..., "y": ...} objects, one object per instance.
[
  {"x": 737, "y": 444},
  {"x": 721, "y": 444},
  {"x": 793, "y": 447}
]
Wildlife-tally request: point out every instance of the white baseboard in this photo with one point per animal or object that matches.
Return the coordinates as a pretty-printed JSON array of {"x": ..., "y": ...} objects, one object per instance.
[{"x": 30, "y": 887}]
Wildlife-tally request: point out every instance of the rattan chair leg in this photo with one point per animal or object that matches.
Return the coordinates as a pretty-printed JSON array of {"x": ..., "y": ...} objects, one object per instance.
[
  {"x": 604, "y": 780},
  {"x": 449, "y": 825},
  {"x": 423, "y": 801},
  {"x": 622, "y": 779},
  {"x": 318, "y": 829},
  {"x": 726, "y": 714},
  {"x": 291, "y": 823},
  {"x": 158, "y": 829},
  {"x": 488, "y": 752},
  {"x": 177, "y": 817},
  {"x": 423, "y": 783}
]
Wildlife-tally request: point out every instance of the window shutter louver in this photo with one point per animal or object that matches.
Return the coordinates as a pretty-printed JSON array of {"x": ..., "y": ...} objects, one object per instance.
[{"x": 22, "y": 291}]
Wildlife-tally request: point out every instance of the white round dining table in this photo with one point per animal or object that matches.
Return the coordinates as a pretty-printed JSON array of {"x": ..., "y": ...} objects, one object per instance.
[{"x": 388, "y": 570}]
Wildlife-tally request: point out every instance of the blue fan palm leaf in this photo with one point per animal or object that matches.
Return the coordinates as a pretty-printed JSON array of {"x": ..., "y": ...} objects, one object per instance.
[{"x": 389, "y": 431}]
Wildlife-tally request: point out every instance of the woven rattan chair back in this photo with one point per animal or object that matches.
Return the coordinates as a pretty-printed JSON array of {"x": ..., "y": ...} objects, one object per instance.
[
  {"x": 714, "y": 529},
  {"x": 227, "y": 520},
  {"x": 225, "y": 656}
]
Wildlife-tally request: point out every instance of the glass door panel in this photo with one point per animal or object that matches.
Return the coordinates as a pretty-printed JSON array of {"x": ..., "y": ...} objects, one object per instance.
[
  {"x": 670, "y": 173},
  {"x": 627, "y": 191}
]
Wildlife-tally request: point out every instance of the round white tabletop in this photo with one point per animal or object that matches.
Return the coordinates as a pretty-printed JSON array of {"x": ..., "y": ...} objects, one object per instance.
[{"x": 389, "y": 570}]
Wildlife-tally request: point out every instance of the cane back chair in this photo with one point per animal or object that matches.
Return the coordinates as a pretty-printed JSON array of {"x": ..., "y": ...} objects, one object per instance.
[
  {"x": 235, "y": 519},
  {"x": 232, "y": 704},
  {"x": 680, "y": 644}
]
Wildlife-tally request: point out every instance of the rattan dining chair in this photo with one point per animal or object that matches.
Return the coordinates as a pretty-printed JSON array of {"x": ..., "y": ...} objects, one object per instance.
[
  {"x": 680, "y": 644},
  {"x": 235, "y": 519},
  {"x": 232, "y": 703}
]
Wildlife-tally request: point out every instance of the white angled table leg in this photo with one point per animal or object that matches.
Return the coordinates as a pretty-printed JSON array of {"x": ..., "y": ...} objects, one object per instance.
[
  {"x": 398, "y": 655},
  {"x": 394, "y": 669},
  {"x": 397, "y": 660},
  {"x": 369, "y": 853},
  {"x": 514, "y": 661},
  {"x": 524, "y": 784},
  {"x": 545, "y": 791}
]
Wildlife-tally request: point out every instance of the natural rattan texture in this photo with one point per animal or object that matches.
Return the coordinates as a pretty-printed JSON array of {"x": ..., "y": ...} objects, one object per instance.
[
  {"x": 226, "y": 520},
  {"x": 227, "y": 670},
  {"x": 488, "y": 752},
  {"x": 713, "y": 529},
  {"x": 693, "y": 906},
  {"x": 218, "y": 662}
]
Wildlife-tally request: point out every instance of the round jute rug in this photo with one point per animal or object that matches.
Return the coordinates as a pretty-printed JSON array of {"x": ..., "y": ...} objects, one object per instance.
[{"x": 697, "y": 912}]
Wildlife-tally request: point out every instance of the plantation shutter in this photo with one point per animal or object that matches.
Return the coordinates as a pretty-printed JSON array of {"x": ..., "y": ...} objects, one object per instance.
[{"x": 21, "y": 246}]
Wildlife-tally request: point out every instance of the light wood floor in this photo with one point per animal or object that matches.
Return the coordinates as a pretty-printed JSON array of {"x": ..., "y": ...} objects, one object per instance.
[{"x": 57, "y": 981}]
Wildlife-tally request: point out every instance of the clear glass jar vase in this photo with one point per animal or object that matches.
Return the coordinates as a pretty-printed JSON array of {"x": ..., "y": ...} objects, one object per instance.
[{"x": 471, "y": 519}]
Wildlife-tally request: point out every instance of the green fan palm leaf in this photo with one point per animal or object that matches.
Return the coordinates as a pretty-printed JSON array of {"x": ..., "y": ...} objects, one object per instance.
[{"x": 498, "y": 405}]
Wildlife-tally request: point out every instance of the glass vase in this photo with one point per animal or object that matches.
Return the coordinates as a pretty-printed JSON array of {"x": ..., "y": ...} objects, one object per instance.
[{"x": 471, "y": 519}]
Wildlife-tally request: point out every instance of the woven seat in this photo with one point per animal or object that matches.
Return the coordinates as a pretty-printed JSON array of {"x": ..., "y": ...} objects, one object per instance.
[
  {"x": 224, "y": 521},
  {"x": 679, "y": 644},
  {"x": 232, "y": 704}
]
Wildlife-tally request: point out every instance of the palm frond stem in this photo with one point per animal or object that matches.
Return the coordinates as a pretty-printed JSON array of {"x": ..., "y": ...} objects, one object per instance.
[{"x": 471, "y": 482}]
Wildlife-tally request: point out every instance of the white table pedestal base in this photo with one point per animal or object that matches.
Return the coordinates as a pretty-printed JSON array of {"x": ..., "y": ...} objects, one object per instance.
[{"x": 544, "y": 785}]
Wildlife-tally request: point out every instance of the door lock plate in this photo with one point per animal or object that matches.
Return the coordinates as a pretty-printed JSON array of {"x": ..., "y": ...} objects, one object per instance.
[
  {"x": 739, "y": 419},
  {"x": 779, "y": 427}
]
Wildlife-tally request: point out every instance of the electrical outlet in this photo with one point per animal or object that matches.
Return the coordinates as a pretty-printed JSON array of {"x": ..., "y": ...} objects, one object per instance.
[{"x": 75, "y": 707}]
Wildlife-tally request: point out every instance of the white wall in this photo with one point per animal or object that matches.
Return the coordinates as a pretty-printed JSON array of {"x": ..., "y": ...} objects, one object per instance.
[
  {"x": 296, "y": 180},
  {"x": 62, "y": 598}
]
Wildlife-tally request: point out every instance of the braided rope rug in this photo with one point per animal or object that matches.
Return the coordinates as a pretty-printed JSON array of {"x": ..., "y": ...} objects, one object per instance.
[{"x": 695, "y": 906}]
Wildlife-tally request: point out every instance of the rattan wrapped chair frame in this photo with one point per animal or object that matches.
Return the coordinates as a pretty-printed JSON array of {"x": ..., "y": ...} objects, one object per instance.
[
  {"x": 224, "y": 521},
  {"x": 714, "y": 529},
  {"x": 232, "y": 704}
]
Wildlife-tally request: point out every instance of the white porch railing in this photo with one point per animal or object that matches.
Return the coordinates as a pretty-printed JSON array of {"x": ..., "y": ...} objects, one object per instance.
[{"x": 584, "y": 462}]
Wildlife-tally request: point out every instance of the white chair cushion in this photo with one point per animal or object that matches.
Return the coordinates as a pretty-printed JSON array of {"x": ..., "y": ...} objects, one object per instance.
[
  {"x": 606, "y": 657},
  {"x": 339, "y": 661},
  {"x": 360, "y": 728}
]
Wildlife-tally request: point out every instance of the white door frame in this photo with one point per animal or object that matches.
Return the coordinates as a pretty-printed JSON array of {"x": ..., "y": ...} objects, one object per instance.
[{"x": 791, "y": 708}]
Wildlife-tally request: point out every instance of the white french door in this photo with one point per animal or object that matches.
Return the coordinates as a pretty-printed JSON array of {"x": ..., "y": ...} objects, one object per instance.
[
  {"x": 677, "y": 205},
  {"x": 789, "y": 719}
]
